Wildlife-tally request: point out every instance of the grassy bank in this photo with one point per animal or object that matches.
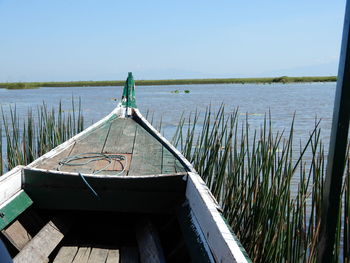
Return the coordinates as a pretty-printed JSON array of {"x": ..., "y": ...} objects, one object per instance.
[
  {"x": 283, "y": 79},
  {"x": 270, "y": 191}
]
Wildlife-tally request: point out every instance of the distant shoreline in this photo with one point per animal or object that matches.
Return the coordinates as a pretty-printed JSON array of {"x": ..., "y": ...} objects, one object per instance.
[{"x": 283, "y": 79}]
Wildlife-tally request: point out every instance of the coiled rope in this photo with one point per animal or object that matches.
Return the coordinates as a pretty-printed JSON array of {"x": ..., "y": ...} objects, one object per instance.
[{"x": 92, "y": 157}]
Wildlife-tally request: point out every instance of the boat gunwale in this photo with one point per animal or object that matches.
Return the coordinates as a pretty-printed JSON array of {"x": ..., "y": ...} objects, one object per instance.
[
  {"x": 201, "y": 199},
  {"x": 64, "y": 173}
]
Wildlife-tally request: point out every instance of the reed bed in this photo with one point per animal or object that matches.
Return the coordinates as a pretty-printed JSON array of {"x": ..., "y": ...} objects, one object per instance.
[
  {"x": 27, "y": 138},
  {"x": 251, "y": 173}
]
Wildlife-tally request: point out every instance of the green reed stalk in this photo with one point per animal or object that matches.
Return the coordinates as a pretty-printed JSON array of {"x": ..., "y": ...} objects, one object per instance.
[
  {"x": 270, "y": 193},
  {"x": 30, "y": 138}
]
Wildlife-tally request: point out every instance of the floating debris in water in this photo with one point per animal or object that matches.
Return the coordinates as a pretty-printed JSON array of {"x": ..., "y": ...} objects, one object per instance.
[{"x": 178, "y": 91}]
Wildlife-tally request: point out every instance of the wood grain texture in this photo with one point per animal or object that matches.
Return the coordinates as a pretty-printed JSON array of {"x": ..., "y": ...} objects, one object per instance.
[
  {"x": 17, "y": 235},
  {"x": 41, "y": 246},
  {"x": 121, "y": 136},
  {"x": 66, "y": 254},
  {"x": 82, "y": 255},
  {"x": 98, "y": 255},
  {"x": 147, "y": 154},
  {"x": 113, "y": 256},
  {"x": 53, "y": 163},
  {"x": 93, "y": 142}
]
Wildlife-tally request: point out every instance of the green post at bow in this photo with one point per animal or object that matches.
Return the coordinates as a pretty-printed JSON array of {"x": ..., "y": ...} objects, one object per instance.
[{"x": 128, "y": 98}]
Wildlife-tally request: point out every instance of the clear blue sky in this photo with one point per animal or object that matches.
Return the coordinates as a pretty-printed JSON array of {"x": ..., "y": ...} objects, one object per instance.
[{"x": 59, "y": 40}]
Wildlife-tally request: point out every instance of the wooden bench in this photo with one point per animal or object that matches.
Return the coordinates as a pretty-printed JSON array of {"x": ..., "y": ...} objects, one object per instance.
[{"x": 87, "y": 254}]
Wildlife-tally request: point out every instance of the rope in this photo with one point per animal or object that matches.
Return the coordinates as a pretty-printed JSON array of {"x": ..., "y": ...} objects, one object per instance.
[
  {"x": 89, "y": 186},
  {"x": 92, "y": 157}
]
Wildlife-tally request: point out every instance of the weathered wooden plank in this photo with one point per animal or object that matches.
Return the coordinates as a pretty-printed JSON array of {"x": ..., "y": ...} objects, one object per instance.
[
  {"x": 17, "y": 235},
  {"x": 13, "y": 207},
  {"x": 53, "y": 163},
  {"x": 66, "y": 254},
  {"x": 147, "y": 154},
  {"x": 98, "y": 255},
  {"x": 121, "y": 136},
  {"x": 41, "y": 246},
  {"x": 129, "y": 255},
  {"x": 113, "y": 256},
  {"x": 90, "y": 143},
  {"x": 83, "y": 255},
  {"x": 148, "y": 240}
]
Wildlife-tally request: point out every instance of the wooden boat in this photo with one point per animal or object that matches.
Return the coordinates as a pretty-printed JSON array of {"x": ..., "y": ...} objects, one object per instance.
[{"x": 116, "y": 192}]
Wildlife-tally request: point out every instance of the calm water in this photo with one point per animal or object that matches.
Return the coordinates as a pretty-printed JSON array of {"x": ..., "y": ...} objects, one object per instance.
[{"x": 307, "y": 101}]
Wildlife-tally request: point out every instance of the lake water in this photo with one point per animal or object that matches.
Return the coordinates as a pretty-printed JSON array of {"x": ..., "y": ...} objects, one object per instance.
[{"x": 307, "y": 100}]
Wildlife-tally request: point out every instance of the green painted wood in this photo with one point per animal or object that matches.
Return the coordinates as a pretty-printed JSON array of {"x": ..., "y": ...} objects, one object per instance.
[
  {"x": 121, "y": 136},
  {"x": 149, "y": 194},
  {"x": 170, "y": 163},
  {"x": 14, "y": 208},
  {"x": 179, "y": 168},
  {"x": 128, "y": 98},
  {"x": 194, "y": 238},
  {"x": 147, "y": 154}
]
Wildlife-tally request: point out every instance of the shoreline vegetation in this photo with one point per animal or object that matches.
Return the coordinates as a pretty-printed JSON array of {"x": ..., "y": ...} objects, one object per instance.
[{"x": 282, "y": 79}]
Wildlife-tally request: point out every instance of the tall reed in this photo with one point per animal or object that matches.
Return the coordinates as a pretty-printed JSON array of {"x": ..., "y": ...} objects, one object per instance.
[
  {"x": 28, "y": 138},
  {"x": 270, "y": 191}
]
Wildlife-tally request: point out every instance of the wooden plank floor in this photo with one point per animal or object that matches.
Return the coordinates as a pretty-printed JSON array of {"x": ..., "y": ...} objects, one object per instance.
[
  {"x": 144, "y": 154},
  {"x": 86, "y": 254}
]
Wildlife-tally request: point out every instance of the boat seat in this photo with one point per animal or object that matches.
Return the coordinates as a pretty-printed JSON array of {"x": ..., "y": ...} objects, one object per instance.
[
  {"x": 38, "y": 249},
  {"x": 96, "y": 254}
]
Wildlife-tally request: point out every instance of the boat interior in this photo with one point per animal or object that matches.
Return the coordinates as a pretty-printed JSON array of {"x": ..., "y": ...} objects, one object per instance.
[
  {"x": 86, "y": 236},
  {"x": 115, "y": 193}
]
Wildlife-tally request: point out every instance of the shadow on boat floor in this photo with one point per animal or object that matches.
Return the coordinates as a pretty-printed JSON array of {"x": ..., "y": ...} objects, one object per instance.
[{"x": 128, "y": 236}]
